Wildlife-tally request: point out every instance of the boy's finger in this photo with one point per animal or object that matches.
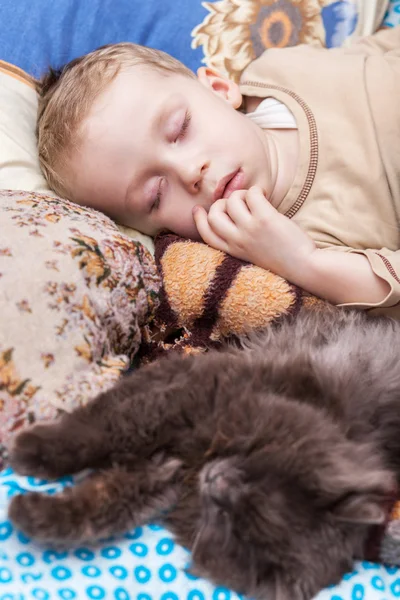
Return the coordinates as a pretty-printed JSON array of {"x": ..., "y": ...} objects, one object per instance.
[
  {"x": 258, "y": 204},
  {"x": 237, "y": 209},
  {"x": 220, "y": 222},
  {"x": 207, "y": 234}
]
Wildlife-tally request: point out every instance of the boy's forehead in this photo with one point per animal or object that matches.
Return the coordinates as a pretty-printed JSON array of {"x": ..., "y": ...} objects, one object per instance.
[
  {"x": 138, "y": 87},
  {"x": 144, "y": 78}
]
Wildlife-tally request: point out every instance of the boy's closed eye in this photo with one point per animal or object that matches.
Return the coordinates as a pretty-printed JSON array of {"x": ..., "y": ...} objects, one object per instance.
[
  {"x": 185, "y": 126},
  {"x": 156, "y": 202},
  {"x": 178, "y": 135}
]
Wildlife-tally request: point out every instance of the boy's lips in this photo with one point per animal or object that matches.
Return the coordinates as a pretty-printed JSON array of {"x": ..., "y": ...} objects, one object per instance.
[{"x": 229, "y": 184}]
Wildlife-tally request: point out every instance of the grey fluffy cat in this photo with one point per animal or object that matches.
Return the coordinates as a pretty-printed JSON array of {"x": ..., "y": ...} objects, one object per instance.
[{"x": 271, "y": 462}]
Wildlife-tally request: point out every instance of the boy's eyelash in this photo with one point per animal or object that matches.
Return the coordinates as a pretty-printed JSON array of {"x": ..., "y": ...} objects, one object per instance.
[
  {"x": 185, "y": 125},
  {"x": 157, "y": 199}
]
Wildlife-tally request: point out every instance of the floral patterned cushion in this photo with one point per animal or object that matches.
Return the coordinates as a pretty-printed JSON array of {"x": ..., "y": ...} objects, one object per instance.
[{"x": 74, "y": 294}]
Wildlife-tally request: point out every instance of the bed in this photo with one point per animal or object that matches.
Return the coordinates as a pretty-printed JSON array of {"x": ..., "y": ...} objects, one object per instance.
[{"x": 144, "y": 564}]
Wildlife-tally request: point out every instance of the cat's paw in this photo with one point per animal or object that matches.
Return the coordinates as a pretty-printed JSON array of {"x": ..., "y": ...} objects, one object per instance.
[
  {"x": 40, "y": 517},
  {"x": 34, "y": 452}
]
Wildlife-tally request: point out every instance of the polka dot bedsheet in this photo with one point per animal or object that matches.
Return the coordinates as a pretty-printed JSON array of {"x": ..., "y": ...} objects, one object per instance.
[{"x": 144, "y": 564}]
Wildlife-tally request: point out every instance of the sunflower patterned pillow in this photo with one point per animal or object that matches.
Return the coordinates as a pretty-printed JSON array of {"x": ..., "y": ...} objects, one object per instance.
[
  {"x": 74, "y": 294},
  {"x": 236, "y": 32}
]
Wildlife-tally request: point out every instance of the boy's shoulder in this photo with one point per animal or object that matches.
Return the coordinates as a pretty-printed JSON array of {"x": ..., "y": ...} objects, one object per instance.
[
  {"x": 306, "y": 56},
  {"x": 297, "y": 58}
]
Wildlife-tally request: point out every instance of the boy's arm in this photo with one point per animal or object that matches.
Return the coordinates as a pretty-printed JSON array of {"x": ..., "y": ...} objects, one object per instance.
[
  {"x": 347, "y": 278},
  {"x": 386, "y": 40}
]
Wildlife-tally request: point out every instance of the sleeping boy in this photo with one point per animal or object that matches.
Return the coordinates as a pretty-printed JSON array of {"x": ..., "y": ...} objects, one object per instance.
[{"x": 296, "y": 169}]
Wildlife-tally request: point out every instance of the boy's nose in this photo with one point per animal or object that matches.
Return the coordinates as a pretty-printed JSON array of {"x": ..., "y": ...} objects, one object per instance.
[{"x": 192, "y": 175}]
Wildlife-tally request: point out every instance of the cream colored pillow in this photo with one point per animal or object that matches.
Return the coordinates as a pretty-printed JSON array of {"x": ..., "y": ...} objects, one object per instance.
[{"x": 19, "y": 165}]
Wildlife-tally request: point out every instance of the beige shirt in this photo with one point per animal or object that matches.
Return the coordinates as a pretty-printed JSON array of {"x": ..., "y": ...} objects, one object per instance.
[{"x": 346, "y": 102}]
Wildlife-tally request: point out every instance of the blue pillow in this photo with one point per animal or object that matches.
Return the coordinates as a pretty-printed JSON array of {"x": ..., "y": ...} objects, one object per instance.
[
  {"x": 227, "y": 34},
  {"x": 35, "y": 34}
]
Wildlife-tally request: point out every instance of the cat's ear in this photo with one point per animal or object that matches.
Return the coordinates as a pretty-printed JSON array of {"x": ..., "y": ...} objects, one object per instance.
[
  {"x": 356, "y": 489},
  {"x": 361, "y": 508},
  {"x": 365, "y": 497},
  {"x": 275, "y": 589},
  {"x": 289, "y": 588}
]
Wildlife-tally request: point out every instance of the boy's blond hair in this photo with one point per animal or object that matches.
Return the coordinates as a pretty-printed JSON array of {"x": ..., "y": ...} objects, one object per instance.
[{"x": 67, "y": 94}]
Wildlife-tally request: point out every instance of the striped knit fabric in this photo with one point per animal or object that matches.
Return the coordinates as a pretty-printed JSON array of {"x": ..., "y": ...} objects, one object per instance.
[{"x": 208, "y": 296}]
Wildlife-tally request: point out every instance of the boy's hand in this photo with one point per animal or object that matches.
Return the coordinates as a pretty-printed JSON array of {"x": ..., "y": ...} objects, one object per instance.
[
  {"x": 245, "y": 225},
  {"x": 248, "y": 227}
]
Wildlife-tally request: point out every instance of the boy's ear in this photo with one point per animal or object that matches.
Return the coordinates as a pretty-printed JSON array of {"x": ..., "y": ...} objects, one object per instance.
[{"x": 220, "y": 85}]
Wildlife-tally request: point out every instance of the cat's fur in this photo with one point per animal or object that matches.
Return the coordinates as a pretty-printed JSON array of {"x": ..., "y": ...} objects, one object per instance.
[{"x": 270, "y": 462}]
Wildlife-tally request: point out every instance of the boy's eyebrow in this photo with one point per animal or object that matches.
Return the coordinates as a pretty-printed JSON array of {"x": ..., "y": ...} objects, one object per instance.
[
  {"x": 165, "y": 110},
  {"x": 128, "y": 194}
]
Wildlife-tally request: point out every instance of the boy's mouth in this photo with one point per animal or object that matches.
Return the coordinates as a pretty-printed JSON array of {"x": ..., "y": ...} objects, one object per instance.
[{"x": 229, "y": 184}]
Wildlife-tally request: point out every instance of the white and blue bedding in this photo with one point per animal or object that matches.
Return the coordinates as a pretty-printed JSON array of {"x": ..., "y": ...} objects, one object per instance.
[{"x": 144, "y": 564}]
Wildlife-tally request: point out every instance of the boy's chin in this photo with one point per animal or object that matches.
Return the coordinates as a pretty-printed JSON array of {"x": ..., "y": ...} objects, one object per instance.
[
  {"x": 187, "y": 235},
  {"x": 190, "y": 234}
]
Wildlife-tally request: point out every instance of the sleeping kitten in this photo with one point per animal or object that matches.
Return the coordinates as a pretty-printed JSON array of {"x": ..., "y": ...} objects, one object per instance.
[{"x": 271, "y": 462}]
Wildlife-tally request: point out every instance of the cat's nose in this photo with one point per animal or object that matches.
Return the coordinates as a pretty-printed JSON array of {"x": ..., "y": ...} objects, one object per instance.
[
  {"x": 214, "y": 471},
  {"x": 214, "y": 481}
]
